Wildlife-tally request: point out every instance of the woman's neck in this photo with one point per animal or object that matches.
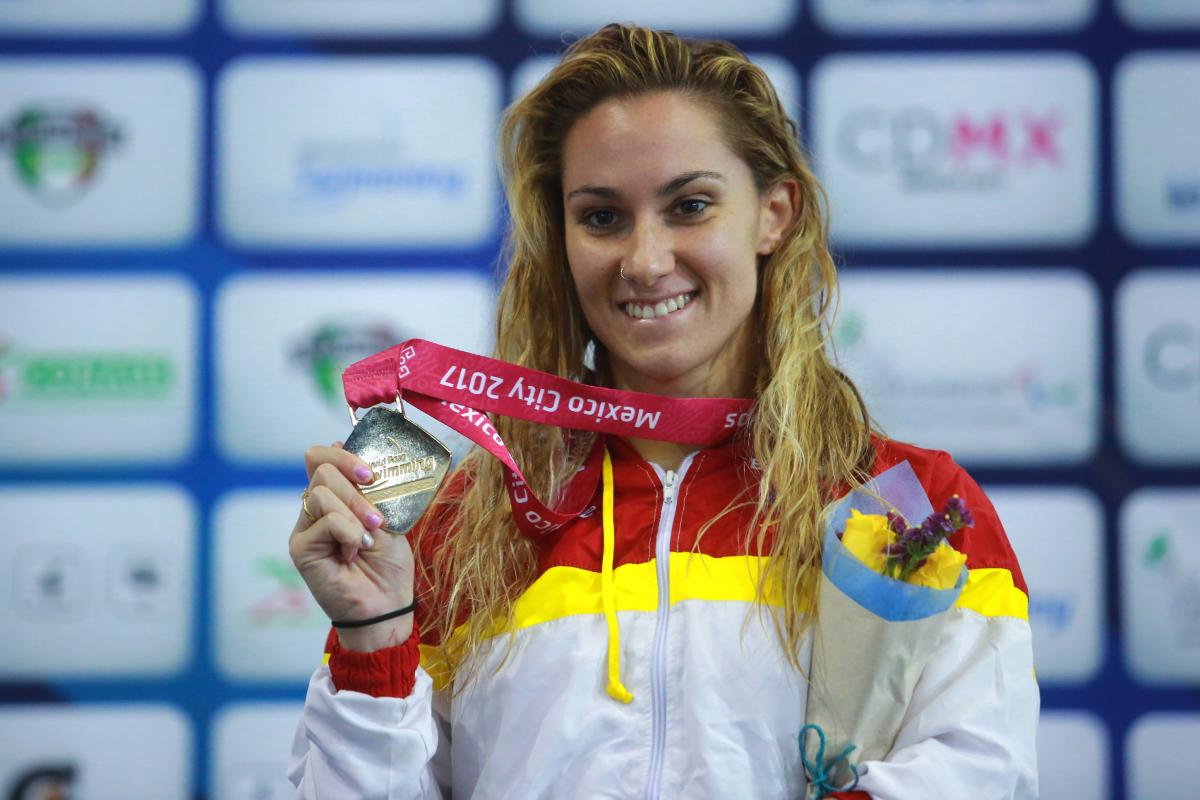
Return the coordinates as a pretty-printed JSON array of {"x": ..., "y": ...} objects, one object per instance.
[{"x": 667, "y": 455}]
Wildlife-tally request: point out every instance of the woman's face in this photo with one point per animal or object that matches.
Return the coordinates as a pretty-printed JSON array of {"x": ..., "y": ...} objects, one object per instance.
[{"x": 651, "y": 189}]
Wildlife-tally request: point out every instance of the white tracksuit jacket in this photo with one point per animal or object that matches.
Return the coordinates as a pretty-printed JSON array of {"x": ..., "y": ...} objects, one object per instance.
[{"x": 716, "y": 710}]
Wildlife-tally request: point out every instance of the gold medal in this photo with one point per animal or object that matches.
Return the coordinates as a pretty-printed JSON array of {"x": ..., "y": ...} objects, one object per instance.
[{"x": 409, "y": 465}]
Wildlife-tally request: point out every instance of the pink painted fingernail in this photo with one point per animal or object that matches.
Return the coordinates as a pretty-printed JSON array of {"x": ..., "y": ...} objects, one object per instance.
[
  {"x": 374, "y": 520},
  {"x": 363, "y": 474}
]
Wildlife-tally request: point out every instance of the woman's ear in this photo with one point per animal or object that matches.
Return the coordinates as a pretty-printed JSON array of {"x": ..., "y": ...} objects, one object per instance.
[{"x": 777, "y": 212}]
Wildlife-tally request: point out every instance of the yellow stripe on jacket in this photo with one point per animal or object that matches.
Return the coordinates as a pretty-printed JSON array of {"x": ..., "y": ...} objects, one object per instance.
[{"x": 571, "y": 591}]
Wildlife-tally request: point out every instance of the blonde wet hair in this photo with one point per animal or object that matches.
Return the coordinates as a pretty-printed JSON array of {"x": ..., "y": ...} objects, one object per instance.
[{"x": 809, "y": 433}]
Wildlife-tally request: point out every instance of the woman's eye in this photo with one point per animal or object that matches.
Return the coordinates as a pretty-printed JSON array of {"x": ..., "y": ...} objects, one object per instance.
[
  {"x": 600, "y": 218},
  {"x": 692, "y": 207}
]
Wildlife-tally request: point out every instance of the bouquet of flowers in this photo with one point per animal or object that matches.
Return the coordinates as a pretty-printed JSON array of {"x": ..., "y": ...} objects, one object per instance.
[{"x": 885, "y": 588}]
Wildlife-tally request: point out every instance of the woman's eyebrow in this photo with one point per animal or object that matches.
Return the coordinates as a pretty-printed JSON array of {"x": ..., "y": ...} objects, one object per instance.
[
  {"x": 670, "y": 187},
  {"x": 675, "y": 184}
]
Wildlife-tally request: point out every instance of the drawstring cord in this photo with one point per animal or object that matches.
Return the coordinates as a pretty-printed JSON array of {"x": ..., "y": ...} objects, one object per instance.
[
  {"x": 818, "y": 769},
  {"x": 616, "y": 689}
]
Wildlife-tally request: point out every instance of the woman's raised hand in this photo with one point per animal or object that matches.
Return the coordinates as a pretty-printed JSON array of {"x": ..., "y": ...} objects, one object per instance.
[{"x": 354, "y": 570}]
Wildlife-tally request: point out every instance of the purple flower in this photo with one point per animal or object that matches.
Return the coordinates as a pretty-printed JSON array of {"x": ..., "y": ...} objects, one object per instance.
[
  {"x": 957, "y": 508},
  {"x": 913, "y": 546}
]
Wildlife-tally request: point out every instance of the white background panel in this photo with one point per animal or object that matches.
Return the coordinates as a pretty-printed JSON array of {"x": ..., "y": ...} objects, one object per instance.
[
  {"x": 88, "y": 17},
  {"x": 113, "y": 601},
  {"x": 1058, "y": 536},
  {"x": 1160, "y": 585},
  {"x": 250, "y": 747},
  {"x": 267, "y": 625},
  {"x": 717, "y": 17},
  {"x": 113, "y": 378},
  {"x": 1156, "y": 117},
  {"x": 1158, "y": 365},
  {"x": 956, "y": 150},
  {"x": 404, "y": 158},
  {"x": 138, "y": 181},
  {"x": 1160, "y": 757},
  {"x": 952, "y": 16},
  {"x": 1073, "y": 755},
  {"x": 1154, "y": 14},
  {"x": 282, "y": 341},
  {"x": 361, "y": 18},
  {"x": 131, "y": 752},
  {"x": 1001, "y": 369}
]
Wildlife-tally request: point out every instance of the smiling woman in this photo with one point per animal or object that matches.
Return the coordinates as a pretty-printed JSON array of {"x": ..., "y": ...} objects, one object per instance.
[
  {"x": 657, "y": 643},
  {"x": 661, "y": 213}
]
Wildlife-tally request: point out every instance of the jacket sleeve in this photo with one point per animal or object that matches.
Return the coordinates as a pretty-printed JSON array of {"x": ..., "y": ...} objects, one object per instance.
[
  {"x": 368, "y": 729},
  {"x": 373, "y": 725},
  {"x": 972, "y": 720}
]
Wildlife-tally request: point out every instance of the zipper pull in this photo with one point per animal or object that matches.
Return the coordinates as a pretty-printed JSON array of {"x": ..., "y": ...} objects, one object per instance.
[{"x": 669, "y": 486}]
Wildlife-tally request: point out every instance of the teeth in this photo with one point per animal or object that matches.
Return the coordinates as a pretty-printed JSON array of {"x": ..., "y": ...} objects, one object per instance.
[{"x": 659, "y": 309}]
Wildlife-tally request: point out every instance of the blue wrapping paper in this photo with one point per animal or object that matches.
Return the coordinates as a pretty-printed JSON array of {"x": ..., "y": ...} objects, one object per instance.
[{"x": 888, "y": 598}]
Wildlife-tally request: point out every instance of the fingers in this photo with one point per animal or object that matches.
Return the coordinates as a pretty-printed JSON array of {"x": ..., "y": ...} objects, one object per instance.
[
  {"x": 338, "y": 495},
  {"x": 334, "y": 526},
  {"x": 332, "y": 473},
  {"x": 354, "y": 468}
]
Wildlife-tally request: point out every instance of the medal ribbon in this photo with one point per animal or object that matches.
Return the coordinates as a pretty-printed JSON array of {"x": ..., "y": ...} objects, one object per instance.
[{"x": 458, "y": 388}]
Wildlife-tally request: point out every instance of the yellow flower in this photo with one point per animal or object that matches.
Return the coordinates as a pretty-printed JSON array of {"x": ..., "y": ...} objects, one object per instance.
[
  {"x": 866, "y": 536},
  {"x": 941, "y": 569}
]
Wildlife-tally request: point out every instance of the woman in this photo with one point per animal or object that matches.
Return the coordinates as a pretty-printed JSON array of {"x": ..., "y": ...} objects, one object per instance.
[{"x": 662, "y": 216}]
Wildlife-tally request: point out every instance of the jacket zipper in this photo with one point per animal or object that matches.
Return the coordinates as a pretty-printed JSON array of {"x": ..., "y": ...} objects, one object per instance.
[{"x": 658, "y": 653}]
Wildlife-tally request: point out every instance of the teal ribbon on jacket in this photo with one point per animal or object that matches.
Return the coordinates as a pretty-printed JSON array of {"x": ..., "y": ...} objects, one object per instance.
[{"x": 818, "y": 770}]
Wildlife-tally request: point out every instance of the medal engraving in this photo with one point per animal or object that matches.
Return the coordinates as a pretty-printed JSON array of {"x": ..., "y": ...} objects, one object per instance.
[{"x": 409, "y": 466}]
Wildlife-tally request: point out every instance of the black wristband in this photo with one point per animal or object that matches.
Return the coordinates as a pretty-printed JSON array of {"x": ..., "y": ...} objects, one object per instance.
[{"x": 362, "y": 623}]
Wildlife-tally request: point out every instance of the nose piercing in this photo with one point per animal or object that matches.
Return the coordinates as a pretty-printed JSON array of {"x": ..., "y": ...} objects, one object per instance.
[{"x": 621, "y": 272}]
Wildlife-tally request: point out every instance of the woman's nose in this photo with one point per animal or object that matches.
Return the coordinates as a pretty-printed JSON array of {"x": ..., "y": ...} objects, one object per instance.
[{"x": 648, "y": 255}]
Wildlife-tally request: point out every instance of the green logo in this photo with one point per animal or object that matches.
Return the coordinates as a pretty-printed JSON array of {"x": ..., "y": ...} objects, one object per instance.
[
  {"x": 57, "y": 151},
  {"x": 849, "y": 328},
  {"x": 1157, "y": 549},
  {"x": 98, "y": 375},
  {"x": 335, "y": 346}
]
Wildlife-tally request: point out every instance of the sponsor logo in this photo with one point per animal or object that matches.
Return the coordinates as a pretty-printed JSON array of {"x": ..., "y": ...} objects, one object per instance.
[
  {"x": 1158, "y": 172},
  {"x": 1004, "y": 397},
  {"x": 50, "y": 582},
  {"x": 1181, "y": 193},
  {"x": 333, "y": 346},
  {"x": 1182, "y": 585},
  {"x": 285, "y": 599},
  {"x": 1171, "y": 356},
  {"x": 338, "y": 171},
  {"x": 51, "y": 781},
  {"x": 84, "y": 375},
  {"x": 391, "y": 163},
  {"x": 931, "y": 150},
  {"x": 139, "y": 582},
  {"x": 57, "y": 580},
  {"x": 57, "y": 151},
  {"x": 1053, "y": 611}
]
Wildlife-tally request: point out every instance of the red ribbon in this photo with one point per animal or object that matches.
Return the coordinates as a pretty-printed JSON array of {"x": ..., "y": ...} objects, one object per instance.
[{"x": 459, "y": 388}]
